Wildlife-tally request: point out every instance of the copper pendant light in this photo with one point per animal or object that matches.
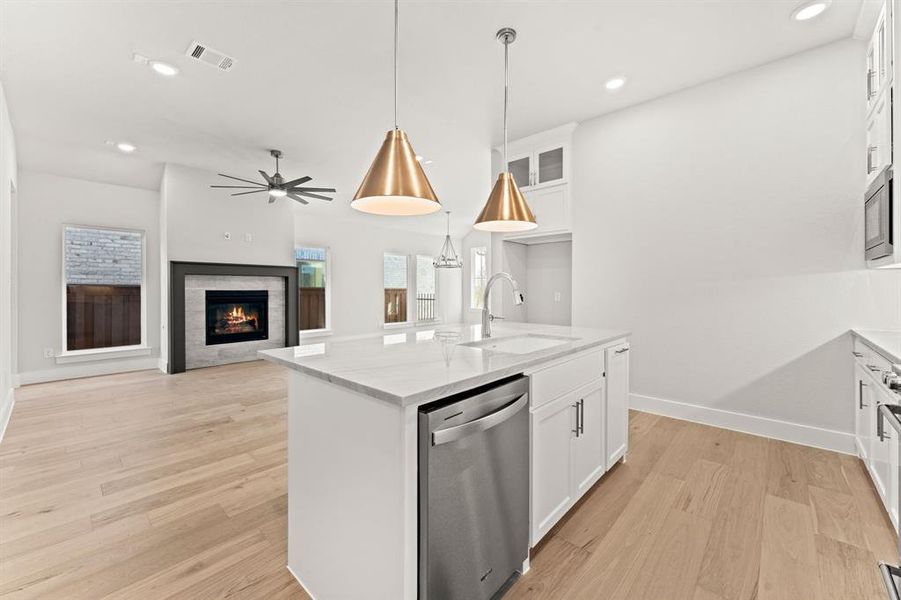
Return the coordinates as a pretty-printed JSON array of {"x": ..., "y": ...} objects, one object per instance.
[
  {"x": 506, "y": 210},
  {"x": 395, "y": 184}
]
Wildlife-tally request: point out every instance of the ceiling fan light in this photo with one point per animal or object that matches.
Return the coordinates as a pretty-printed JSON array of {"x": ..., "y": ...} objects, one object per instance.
[
  {"x": 395, "y": 184},
  {"x": 506, "y": 210},
  {"x": 277, "y": 193}
]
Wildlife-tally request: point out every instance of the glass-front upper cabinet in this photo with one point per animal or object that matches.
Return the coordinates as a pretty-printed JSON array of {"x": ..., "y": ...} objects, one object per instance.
[
  {"x": 542, "y": 166},
  {"x": 521, "y": 169}
]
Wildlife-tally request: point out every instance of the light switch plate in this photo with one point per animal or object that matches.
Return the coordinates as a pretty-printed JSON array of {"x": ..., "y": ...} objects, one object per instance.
[
  {"x": 227, "y": 235},
  {"x": 556, "y": 296},
  {"x": 48, "y": 353},
  {"x": 248, "y": 238}
]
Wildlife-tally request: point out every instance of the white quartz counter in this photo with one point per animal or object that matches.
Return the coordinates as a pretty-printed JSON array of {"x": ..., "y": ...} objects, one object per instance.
[
  {"x": 887, "y": 343},
  {"x": 415, "y": 366}
]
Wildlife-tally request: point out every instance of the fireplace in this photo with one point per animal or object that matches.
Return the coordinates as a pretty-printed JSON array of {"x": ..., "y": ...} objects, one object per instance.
[{"x": 236, "y": 316}]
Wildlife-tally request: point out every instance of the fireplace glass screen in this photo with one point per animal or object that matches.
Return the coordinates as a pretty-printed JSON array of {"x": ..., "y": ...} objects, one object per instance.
[{"x": 236, "y": 316}]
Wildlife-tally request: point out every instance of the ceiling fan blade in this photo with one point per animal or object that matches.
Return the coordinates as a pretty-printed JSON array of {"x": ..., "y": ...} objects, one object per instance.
[
  {"x": 307, "y": 189},
  {"x": 298, "y": 198},
  {"x": 239, "y": 179},
  {"x": 317, "y": 196},
  {"x": 268, "y": 179},
  {"x": 297, "y": 181},
  {"x": 239, "y": 187},
  {"x": 251, "y": 192}
]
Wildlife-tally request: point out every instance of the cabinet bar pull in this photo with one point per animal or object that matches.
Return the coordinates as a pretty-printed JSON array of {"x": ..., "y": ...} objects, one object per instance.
[
  {"x": 621, "y": 350},
  {"x": 577, "y": 431},
  {"x": 860, "y": 387},
  {"x": 874, "y": 368},
  {"x": 582, "y": 416},
  {"x": 857, "y": 354}
]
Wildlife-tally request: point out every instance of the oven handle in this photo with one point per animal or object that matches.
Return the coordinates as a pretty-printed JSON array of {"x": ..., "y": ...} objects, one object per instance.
[
  {"x": 888, "y": 580},
  {"x": 887, "y": 411}
]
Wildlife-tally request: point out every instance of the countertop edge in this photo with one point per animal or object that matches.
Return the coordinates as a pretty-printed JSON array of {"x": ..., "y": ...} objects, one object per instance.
[
  {"x": 445, "y": 389},
  {"x": 866, "y": 336}
]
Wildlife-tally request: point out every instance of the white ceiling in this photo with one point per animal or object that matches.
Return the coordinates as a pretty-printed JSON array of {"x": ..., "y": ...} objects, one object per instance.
[{"x": 314, "y": 79}]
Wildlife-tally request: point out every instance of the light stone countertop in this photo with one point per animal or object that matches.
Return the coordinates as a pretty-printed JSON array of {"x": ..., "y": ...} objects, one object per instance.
[
  {"x": 887, "y": 343},
  {"x": 422, "y": 364}
]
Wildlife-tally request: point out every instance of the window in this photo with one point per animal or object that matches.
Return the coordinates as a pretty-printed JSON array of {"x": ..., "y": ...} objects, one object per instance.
[
  {"x": 395, "y": 275},
  {"x": 426, "y": 296},
  {"x": 312, "y": 288},
  {"x": 478, "y": 276},
  {"x": 104, "y": 288}
]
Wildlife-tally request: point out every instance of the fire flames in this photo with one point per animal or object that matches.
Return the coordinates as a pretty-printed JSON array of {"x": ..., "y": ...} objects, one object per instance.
[{"x": 237, "y": 320}]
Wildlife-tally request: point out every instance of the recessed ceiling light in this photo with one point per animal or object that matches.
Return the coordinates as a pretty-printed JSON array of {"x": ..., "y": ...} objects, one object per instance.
[
  {"x": 164, "y": 69},
  {"x": 809, "y": 10},
  {"x": 126, "y": 147},
  {"x": 615, "y": 83}
]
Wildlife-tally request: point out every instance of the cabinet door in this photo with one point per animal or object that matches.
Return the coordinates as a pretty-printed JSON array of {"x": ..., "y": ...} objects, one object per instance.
[
  {"x": 880, "y": 462},
  {"x": 550, "y": 207},
  {"x": 617, "y": 421},
  {"x": 553, "y": 427},
  {"x": 521, "y": 169},
  {"x": 550, "y": 166},
  {"x": 589, "y": 452},
  {"x": 878, "y": 132},
  {"x": 861, "y": 406}
]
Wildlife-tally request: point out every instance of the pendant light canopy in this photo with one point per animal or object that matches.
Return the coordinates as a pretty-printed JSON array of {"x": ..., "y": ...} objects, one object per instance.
[
  {"x": 395, "y": 184},
  {"x": 506, "y": 209},
  {"x": 448, "y": 258}
]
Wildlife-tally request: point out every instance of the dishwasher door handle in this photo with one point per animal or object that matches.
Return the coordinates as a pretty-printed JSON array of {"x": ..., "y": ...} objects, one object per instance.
[{"x": 451, "y": 434}]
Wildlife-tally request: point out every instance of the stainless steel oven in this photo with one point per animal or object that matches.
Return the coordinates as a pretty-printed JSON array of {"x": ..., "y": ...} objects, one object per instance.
[{"x": 878, "y": 216}]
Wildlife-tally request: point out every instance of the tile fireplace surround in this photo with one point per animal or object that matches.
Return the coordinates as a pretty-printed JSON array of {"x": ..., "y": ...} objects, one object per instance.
[
  {"x": 197, "y": 352},
  {"x": 188, "y": 283}
]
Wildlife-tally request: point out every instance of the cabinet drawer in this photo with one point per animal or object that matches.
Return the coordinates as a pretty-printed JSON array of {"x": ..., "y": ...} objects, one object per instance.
[{"x": 556, "y": 380}]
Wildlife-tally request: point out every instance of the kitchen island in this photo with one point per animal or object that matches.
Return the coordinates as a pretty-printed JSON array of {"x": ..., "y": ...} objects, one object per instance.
[{"x": 353, "y": 438}]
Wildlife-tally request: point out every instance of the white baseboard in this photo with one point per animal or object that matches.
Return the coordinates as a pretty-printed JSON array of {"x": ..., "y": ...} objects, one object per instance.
[
  {"x": 79, "y": 370},
  {"x": 6, "y": 409},
  {"x": 300, "y": 581},
  {"x": 786, "y": 431}
]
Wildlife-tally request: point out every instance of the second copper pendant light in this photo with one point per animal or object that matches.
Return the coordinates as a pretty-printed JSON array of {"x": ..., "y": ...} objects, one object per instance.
[
  {"x": 506, "y": 210},
  {"x": 395, "y": 184}
]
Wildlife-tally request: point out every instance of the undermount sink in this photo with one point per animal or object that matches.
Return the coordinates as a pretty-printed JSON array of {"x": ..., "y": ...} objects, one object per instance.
[{"x": 521, "y": 344}]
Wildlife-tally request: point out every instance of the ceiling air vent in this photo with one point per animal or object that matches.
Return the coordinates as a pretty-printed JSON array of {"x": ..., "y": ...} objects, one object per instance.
[{"x": 207, "y": 55}]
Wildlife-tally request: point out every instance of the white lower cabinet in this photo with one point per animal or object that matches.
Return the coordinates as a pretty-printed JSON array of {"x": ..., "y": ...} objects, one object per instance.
[
  {"x": 552, "y": 492},
  {"x": 588, "y": 445},
  {"x": 580, "y": 428},
  {"x": 617, "y": 420},
  {"x": 862, "y": 410},
  {"x": 567, "y": 453}
]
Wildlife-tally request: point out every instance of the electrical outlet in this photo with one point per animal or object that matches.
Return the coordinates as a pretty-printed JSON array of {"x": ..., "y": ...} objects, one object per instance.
[
  {"x": 556, "y": 296},
  {"x": 227, "y": 235},
  {"x": 48, "y": 353},
  {"x": 248, "y": 238}
]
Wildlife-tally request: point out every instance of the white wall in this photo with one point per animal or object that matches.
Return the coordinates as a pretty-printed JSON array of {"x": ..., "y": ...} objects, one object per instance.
[
  {"x": 356, "y": 249},
  {"x": 660, "y": 246},
  {"x": 46, "y": 203},
  {"x": 197, "y": 218},
  {"x": 723, "y": 226},
  {"x": 8, "y": 252}
]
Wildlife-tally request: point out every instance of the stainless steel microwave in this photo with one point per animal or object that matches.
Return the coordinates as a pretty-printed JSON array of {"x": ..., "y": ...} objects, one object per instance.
[{"x": 878, "y": 216}]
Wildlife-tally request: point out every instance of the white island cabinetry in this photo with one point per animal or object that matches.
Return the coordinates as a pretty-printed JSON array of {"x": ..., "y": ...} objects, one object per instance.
[{"x": 353, "y": 440}]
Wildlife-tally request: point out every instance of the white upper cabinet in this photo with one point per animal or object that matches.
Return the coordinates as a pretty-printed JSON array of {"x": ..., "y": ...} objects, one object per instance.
[
  {"x": 879, "y": 57},
  {"x": 540, "y": 165}
]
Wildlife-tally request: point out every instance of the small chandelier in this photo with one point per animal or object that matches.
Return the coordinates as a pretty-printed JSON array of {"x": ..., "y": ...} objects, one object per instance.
[{"x": 448, "y": 258}]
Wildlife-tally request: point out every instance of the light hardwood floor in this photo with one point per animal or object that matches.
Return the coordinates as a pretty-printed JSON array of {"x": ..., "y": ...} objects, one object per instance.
[{"x": 150, "y": 486}]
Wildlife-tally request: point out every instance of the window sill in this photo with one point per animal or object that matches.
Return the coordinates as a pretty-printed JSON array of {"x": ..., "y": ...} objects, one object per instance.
[
  {"x": 101, "y": 354},
  {"x": 398, "y": 325},
  {"x": 309, "y": 334}
]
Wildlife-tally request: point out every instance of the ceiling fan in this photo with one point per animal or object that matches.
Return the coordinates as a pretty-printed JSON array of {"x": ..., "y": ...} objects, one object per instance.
[{"x": 277, "y": 186}]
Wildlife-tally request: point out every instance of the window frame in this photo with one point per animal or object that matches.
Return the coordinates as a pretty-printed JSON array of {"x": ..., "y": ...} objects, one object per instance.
[
  {"x": 472, "y": 271},
  {"x": 408, "y": 321},
  {"x": 437, "y": 305},
  {"x": 66, "y": 355},
  {"x": 327, "y": 330}
]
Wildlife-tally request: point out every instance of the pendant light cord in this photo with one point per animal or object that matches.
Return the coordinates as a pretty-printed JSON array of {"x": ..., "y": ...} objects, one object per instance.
[
  {"x": 506, "y": 85},
  {"x": 396, "y": 17}
]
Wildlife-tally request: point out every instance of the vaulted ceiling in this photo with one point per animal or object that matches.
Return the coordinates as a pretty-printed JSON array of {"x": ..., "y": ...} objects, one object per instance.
[{"x": 314, "y": 79}]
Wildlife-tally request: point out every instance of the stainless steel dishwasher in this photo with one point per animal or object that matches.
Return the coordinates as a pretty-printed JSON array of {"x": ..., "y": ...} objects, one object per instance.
[{"x": 474, "y": 492}]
